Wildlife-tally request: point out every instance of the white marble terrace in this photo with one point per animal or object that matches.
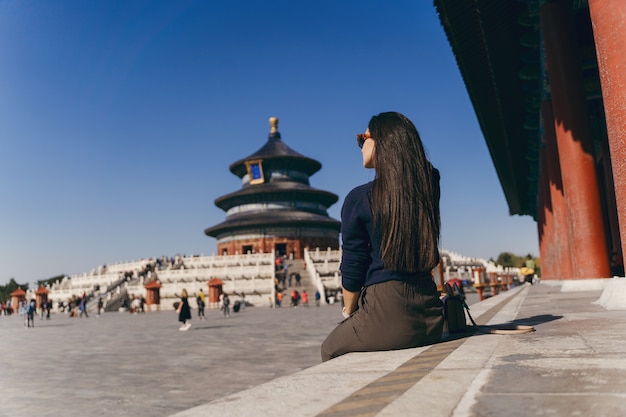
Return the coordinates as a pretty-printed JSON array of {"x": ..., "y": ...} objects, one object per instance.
[{"x": 252, "y": 274}]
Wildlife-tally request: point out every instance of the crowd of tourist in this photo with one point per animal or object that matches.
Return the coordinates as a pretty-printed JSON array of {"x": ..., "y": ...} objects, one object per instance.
[
  {"x": 288, "y": 285},
  {"x": 285, "y": 280},
  {"x": 6, "y": 309}
]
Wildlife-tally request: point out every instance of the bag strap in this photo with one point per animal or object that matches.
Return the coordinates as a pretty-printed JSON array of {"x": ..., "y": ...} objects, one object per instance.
[{"x": 497, "y": 329}]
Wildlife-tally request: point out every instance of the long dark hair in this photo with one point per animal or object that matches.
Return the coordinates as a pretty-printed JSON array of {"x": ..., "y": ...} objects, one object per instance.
[{"x": 405, "y": 195}]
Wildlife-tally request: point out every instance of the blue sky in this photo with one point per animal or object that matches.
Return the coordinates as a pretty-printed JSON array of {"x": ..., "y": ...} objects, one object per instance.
[{"x": 119, "y": 120}]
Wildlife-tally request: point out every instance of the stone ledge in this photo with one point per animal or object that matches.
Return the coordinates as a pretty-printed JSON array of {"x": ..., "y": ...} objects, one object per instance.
[
  {"x": 614, "y": 294},
  {"x": 316, "y": 389}
]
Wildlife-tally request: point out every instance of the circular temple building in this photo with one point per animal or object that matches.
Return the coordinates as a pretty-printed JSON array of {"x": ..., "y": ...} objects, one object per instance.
[{"x": 276, "y": 208}]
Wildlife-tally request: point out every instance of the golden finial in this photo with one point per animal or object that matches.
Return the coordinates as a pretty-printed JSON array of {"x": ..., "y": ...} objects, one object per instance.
[{"x": 273, "y": 124}]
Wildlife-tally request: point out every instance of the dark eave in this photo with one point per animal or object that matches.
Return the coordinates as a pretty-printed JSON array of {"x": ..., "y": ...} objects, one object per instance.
[
  {"x": 277, "y": 155},
  {"x": 496, "y": 45},
  {"x": 274, "y": 218},
  {"x": 273, "y": 191}
]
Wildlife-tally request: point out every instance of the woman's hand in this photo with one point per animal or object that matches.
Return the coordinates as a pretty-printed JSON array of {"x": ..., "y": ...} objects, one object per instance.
[{"x": 350, "y": 301}]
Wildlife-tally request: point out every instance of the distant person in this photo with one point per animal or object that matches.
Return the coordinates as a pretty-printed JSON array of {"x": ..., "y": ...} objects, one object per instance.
[
  {"x": 125, "y": 304},
  {"x": 318, "y": 297},
  {"x": 390, "y": 231},
  {"x": 305, "y": 298},
  {"x": 226, "y": 303},
  {"x": 135, "y": 305},
  {"x": 31, "y": 308},
  {"x": 100, "y": 305},
  {"x": 529, "y": 269},
  {"x": 201, "y": 301},
  {"x": 279, "y": 298},
  {"x": 184, "y": 312},
  {"x": 339, "y": 297},
  {"x": 83, "y": 308}
]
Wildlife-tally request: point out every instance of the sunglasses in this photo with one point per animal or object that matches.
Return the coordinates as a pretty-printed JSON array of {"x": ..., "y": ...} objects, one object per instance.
[{"x": 361, "y": 138}]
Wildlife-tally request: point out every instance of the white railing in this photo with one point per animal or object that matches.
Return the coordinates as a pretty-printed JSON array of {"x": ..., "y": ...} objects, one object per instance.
[
  {"x": 252, "y": 274},
  {"x": 323, "y": 266},
  {"x": 328, "y": 255},
  {"x": 134, "y": 265},
  {"x": 224, "y": 261}
]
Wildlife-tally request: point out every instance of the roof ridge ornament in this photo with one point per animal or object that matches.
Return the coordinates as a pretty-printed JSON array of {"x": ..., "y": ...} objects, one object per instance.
[{"x": 273, "y": 124}]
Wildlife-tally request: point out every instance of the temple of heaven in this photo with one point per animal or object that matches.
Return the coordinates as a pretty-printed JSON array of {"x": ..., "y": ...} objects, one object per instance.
[{"x": 276, "y": 208}]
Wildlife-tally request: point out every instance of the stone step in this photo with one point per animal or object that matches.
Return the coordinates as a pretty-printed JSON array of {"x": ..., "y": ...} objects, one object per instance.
[{"x": 296, "y": 266}]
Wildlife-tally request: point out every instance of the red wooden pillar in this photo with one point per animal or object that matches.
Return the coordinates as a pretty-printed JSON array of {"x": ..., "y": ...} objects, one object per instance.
[
  {"x": 545, "y": 221},
  {"x": 608, "y": 18},
  {"x": 298, "y": 250},
  {"x": 588, "y": 247},
  {"x": 558, "y": 249}
]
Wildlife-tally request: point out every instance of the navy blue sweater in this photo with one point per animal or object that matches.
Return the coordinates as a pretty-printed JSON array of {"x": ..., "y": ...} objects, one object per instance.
[{"x": 361, "y": 264}]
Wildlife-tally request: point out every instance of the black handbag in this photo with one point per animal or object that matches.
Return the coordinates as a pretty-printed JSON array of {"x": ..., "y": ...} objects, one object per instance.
[{"x": 454, "y": 309}]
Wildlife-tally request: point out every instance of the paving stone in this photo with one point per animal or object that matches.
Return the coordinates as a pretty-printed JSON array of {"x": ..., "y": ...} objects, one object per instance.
[{"x": 122, "y": 364}]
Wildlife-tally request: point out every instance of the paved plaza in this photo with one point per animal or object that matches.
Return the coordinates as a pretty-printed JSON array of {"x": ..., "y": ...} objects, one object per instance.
[
  {"x": 123, "y": 364},
  {"x": 574, "y": 364}
]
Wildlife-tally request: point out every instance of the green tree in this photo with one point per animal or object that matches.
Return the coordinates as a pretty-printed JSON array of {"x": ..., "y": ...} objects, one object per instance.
[
  {"x": 50, "y": 281},
  {"x": 508, "y": 259},
  {"x": 6, "y": 290}
]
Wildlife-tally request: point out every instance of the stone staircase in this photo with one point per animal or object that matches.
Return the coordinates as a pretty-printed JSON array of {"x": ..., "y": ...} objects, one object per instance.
[
  {"x": 116, "y": 301},
  {"x": 296, "y": 266}
]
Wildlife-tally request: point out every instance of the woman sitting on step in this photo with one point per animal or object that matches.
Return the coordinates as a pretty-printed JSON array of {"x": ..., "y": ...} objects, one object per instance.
[{"x": 390, "y": 235}]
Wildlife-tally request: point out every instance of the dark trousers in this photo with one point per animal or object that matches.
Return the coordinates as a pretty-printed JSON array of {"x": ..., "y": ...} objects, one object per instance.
[{"x": 391, "y": 315}]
